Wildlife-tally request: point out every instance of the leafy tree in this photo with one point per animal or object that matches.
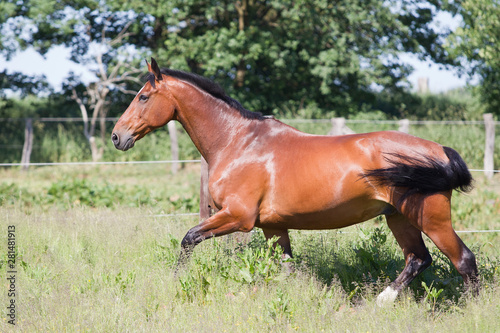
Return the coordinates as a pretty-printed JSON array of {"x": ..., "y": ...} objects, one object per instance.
[
  {"x": 477, "y": 42},
  {"x": 97, "y": 38},
  {"x": 274, "y": 55},
  {"x": 271, "y": 55},
  {"x": 96, "y": 35},
  {"x": 22, "y": 84},
  {"x": 457, "y": 104}
]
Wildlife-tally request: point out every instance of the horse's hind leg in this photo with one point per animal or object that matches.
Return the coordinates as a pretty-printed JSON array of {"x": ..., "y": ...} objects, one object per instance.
[
  {"x": 283, "y": 242},
  {"x": 417, "y": 257},
  {"x": 435, "y": 221}
]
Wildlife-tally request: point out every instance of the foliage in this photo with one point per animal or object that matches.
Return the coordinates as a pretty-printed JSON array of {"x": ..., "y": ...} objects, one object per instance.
[
  {"x": 477, "y": 42},
  {"x": 458, "y": 104},
  {"x": 65, "y": 142},
  {"x": 80, "y": 191},
  {"x": 431, "y": 295},
  {"x": 22, "y": 84},
  {"x": 308, "y": 51},
  {"x": 311, "y": 54},
  {"x": 259, "y": 265},
  {"x": 67, "y": 193}
]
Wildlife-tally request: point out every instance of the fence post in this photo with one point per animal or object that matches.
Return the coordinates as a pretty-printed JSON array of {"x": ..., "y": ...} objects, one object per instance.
[
  {"x": 204, "y": 193},
  {"x": 174, "y": 146},
  {"x": 404, "y": 126},
  {"x": 489, "y": 149},
  {"x": 28, "y": 144},
  {"x": 339, "y": 127}
]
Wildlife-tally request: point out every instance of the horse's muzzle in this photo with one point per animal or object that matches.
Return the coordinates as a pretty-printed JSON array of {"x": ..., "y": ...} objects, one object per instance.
[{"x": 122, "y": 143}]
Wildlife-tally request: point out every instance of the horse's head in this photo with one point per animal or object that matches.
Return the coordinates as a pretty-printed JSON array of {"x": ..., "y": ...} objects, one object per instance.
[{"x": 151, "y": 108}]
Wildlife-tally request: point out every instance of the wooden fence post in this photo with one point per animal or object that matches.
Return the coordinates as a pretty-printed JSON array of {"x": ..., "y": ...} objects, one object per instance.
[
  {"x": 404, "y": 126},
  {"x": 28, "y": 144},
  {"x": 339, "y": 127},
  {"x": 204, "y": 193},
  {"x": 174, "y": 146},
  {"x": 489, "y": 149}
]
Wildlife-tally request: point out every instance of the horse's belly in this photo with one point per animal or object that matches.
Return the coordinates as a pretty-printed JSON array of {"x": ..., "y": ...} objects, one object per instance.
[{"x": 337, "y": 216}]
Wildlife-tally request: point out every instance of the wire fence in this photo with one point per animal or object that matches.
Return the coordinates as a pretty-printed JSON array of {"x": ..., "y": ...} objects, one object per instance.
[
  {"x": 340, "y": 127},
  {"x": 290, "y": 121},
  {"x": 99, "y": 163},
  {"x": 138, "y": 162},
  {"x": 335, "y": 126},
  {"x": 317, "y": 231}
]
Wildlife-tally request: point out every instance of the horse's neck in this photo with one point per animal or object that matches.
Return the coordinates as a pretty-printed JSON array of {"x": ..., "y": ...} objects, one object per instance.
[{"x": 210, "y": 122}]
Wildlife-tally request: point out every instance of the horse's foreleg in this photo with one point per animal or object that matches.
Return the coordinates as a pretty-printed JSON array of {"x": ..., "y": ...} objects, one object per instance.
[
  {"x": 417, "y": 257},
  {"x": 224, "y": 222}
]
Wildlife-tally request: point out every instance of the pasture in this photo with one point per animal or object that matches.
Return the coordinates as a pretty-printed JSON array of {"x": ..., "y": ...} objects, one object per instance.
[{"x": 96, "y": 253}]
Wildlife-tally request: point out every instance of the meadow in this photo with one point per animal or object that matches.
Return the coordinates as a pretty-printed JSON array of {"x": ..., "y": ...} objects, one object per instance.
[{"x": 97, "y": 248}]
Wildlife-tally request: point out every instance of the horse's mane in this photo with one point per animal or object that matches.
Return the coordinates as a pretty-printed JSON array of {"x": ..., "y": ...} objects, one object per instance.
[{"x": 211, "y": 88}]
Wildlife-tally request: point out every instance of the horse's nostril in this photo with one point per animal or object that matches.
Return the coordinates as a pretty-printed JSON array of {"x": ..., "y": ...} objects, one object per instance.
[{"x": 115, "y": 138}]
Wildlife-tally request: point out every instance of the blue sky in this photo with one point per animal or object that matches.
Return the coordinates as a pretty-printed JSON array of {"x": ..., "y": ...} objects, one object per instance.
[{"x": 56, "y": 65}]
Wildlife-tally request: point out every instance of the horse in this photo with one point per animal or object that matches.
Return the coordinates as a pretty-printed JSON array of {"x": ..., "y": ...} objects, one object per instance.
[{"x": 266, "y": 174}]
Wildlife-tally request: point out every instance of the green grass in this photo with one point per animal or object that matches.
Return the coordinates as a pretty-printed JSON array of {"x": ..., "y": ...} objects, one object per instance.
[
  {"x": 151, "y": 186},
  {"x": 113, "y": 271},
  {"x": 109, "y": 267}
]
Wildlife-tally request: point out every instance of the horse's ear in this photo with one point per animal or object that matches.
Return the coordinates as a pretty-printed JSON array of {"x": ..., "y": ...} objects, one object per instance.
[
  {"x": 151, "y": 77},
  {"x": 155, "y": 69}
]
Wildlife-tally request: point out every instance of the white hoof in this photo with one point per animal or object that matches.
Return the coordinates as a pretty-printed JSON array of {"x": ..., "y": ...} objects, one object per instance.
[{"x": 388, "y": 296}]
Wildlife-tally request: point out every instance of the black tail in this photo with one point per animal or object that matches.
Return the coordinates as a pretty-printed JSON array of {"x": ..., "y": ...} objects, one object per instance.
[{"x": 424, "y": 174}]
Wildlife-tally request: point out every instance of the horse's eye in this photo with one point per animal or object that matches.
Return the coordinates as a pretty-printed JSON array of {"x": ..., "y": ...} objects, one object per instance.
[{"x": 143, "y": 98}]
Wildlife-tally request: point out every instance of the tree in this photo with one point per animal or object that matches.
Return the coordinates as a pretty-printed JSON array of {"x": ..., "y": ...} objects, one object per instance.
[
  {"x": 97, "y": 38},
  {"x": 476, "y": 43},
  {"x": 272, "y": 55},
  {"x": 269, "y": 54},
  {"x": 110, "y": 76},
  {"x": 22, "y": 84}
]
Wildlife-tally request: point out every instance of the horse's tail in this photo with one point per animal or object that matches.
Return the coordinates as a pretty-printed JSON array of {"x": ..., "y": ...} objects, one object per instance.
[{"x": 423, "y": 174}]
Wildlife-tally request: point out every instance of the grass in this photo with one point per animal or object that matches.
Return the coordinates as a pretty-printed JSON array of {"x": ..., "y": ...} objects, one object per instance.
[
  {"x": 113, "y": 271},
  {"x": 84, "y": 267},
  {"x": 151, "y": 186}
]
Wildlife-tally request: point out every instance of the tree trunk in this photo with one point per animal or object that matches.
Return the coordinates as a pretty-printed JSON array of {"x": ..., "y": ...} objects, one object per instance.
[{"x": 242, "y": 8}]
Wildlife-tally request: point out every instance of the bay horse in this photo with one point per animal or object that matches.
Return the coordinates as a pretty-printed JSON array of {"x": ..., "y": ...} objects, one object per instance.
[{"x": 264, "y": 173}]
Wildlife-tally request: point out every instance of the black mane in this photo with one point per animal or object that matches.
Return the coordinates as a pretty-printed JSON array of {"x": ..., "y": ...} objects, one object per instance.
[{"x": 211, "y": 88}]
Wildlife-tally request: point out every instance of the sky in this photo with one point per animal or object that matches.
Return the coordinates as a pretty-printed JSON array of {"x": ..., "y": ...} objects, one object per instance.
[{"x": 56, "y": 65}]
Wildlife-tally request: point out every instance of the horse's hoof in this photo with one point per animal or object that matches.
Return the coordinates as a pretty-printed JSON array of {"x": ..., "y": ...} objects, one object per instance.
[{"x": 387, "y": 297}]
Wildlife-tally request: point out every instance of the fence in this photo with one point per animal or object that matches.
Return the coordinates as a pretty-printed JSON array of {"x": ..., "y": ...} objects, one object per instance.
[{"x": 339, "y": 126}]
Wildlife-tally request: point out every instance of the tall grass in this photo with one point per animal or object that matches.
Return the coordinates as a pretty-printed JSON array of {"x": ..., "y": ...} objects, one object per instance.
[
  {"x": 89, "y": 267},
  {"x": 113, "y": 271}
]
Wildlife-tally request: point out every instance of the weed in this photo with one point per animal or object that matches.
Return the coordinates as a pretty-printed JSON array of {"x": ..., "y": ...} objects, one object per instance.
[
  {"x": 259, "y": 265},
  {"x": 431, "y": 296},
  {"x": 279, "y": 307}
]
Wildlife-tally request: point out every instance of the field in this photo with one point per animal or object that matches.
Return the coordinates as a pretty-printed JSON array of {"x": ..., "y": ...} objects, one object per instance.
[{"x": 97, "y": 251}]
